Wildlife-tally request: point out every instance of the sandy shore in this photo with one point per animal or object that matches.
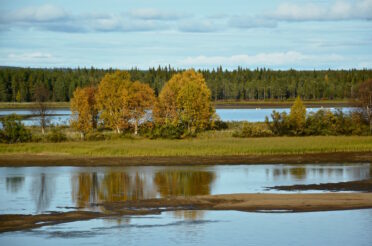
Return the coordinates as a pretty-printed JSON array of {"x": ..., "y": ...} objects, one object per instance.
[
  {"x": 67, "y": 160},
  {"x": 239, "y": 202}
]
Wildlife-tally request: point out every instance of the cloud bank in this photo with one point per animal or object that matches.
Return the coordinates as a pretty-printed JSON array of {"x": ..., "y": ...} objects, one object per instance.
[
  {"x": 339, "y": 10},
  {"x": 55, "y": 18},
  {"x": 275, "y": 59}
]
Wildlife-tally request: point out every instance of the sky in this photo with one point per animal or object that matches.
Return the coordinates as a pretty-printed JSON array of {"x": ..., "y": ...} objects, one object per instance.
[{"x": 203, "y": 34}]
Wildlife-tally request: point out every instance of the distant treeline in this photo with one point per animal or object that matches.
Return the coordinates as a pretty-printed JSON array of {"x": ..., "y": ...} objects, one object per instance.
[{"x": 17, "y": 84}]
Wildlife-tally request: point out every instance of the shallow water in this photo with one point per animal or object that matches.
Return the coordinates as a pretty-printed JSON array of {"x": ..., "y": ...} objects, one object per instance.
[
  {"x": 40, "y": 189},
  {"x": 208, "y": 228},
  {"x": 62, "y": 116}
]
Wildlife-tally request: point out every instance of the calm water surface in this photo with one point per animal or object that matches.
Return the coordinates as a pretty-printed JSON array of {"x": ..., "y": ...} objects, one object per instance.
[
  {"x": 40, "y": 189},
  {"x": 208, "y": 228},
  {"x": 62, "y": 116}
]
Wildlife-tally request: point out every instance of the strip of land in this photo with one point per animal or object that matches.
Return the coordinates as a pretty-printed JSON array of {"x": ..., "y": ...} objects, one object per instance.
[
  {"x": 238, "y": 202},
  {"x": 359, "y": 185},
  {"x": 217, "y": 104},
  {"x": 211, "y": 148},
  {"x": 64, "y": 160}
]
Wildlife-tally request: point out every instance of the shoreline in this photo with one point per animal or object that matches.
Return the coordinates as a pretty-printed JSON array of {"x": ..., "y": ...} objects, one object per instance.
[
  {"x": 25, "y": 160},
  {"x": 217, "y": 104},
  {"x": 248, "y": 202},
  {"x": 364, "y": 185}
]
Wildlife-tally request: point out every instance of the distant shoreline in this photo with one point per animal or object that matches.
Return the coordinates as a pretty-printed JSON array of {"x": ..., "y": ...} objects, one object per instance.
[{"x": 217, "y": 104}]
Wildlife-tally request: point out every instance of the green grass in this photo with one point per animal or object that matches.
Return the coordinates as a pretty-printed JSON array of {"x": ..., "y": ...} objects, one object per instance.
[
  {"x": 30, "y": 105},
  {"x": 212, "y": 143}
]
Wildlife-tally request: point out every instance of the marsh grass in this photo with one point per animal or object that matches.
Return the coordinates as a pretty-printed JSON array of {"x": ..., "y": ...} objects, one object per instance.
[{"x": 212, "y": 143}]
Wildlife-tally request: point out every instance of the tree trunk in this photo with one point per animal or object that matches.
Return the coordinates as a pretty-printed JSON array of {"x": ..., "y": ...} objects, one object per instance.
[
  {"x": 136, "y": 127},
  {"x": 42, "y": 130},
  {"x": 81, "y": 135},
  {"x": 117, "y": 130}
]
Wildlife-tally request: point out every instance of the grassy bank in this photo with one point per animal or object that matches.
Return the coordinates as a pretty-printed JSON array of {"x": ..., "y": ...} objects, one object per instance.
[
  {"x": 31, "y": 105},
  {"x": 217, "y": 104},
  {"x": 205, "y": 145}
]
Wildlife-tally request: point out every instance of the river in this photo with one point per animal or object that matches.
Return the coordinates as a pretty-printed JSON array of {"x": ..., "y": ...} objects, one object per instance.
[
  {"x": 33, "y": 190},
  {"x": 62, "y": 116}
]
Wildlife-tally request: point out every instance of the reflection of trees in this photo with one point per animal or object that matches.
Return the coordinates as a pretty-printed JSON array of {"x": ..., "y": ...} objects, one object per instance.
[
  {"x": 42, "y": 189},
  {"x": 14, "y": 184},
  {"x": 298, "y": 172},
  {"x": 85, "y": 189},
  {"x": 115, "y": 186},
  {"x": 111, "y": 187},
  {"x": 184, "y": 183},
  {"x": 121, "y": 187}
]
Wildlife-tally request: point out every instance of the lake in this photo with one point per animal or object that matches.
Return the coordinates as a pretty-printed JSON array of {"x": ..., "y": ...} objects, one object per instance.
[
  {"x": 32, "y": 190},
  {"x": 39, "y": 189},
  {"x": 62, "y": 116}
]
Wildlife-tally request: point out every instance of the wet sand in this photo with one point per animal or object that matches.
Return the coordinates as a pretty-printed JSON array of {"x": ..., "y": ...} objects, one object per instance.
[
  {"x": 239, "y": 202},
  {"x": 67, "y": 160}
]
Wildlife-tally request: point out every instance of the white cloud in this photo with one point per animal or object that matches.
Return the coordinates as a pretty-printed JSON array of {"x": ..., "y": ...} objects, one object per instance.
[
  {"x": 155, "y": 14},
  {"x": 29, "y": 56},
  {"x": 200, "y": 25},
  {"x": 338, "y": 10},
  {"x": 42, "y": 13},
  {"x": 251, "y": 22},
  {"x": 261, "y": 59}
]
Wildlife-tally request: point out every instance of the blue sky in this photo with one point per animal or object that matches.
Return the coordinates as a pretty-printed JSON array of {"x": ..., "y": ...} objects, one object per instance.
[{"x": 200, "y": 34}]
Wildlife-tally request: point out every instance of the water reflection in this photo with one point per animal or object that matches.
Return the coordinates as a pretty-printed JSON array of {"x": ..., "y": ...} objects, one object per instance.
[
  {"x": 307, "y": 172},
  {"x": 85, "y": 189},
  {"x": 42, "y": 189},
  {"x": 112, "y": 186},
  {"x": 34, "y": 190},
  {"x": 184, "y": 183},
  {"x": 14, "y": 184},
  {"x": 120, "y": 186}
]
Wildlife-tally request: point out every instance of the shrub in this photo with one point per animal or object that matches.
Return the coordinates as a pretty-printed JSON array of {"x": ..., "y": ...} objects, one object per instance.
[
  {"x": 94, "y": 136},
  {"x": 56, "y": 135},
  {"x": 252, "y": 130},
  {"x": 219, "y": 125},
  {"x": 13, "y": 131},
  {"x": 280, "y": 124},
  {"x": 164, "y": 131}
]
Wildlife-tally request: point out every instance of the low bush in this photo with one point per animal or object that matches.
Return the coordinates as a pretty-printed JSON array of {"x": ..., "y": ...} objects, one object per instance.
[
  {"x": 219, "y": 125},
  {"x": 94, "y": 136},
  {"x": 252, "y": 130},
  {"x": 13, "y": 131},
  {"x": 163, "y": 131},
  {"x": 56, "y": 135}
]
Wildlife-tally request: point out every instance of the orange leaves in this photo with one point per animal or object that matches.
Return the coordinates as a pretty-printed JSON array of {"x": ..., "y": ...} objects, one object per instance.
[
  {"x": 84, "y": 110},
  {"x": 122, "y": 101},
  {"x": 185, "y": 99}
]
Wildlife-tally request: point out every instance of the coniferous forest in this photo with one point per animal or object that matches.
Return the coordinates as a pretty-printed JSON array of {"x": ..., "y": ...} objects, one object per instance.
[{"x": 17, "y": 84}]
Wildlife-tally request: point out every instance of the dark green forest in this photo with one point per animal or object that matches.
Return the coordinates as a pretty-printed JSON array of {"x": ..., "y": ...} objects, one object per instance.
[{"x": 17, "y": 84}]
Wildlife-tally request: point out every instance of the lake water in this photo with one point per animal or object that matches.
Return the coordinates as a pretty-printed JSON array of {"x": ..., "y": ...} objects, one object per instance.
[
  {"x": 62, "y": 116},
  {"x": 40, "y": 189}
]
